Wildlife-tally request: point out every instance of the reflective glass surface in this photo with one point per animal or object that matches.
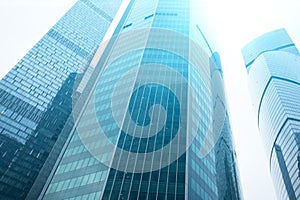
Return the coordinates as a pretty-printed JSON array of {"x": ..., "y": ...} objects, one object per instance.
[
  {"x": 273, "y": 68},
  {"x": 138, "y": 124},
  {"x": 36, "y": 97}
]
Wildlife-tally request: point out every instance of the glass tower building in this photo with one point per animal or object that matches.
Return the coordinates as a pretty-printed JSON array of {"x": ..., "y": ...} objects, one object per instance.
[
  {"x": 272, "y": 62},
  {"x": 150, "y": 114},
  {"x": 36, "y": 97},
  {"x": 140, "y": 116}
]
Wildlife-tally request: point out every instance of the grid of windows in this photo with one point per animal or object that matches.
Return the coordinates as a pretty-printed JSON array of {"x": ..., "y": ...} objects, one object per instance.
[
  {"x": 36, "y": 97},
  {"x": 189, "y": 176},
  {"x": 273, "y": 67}
]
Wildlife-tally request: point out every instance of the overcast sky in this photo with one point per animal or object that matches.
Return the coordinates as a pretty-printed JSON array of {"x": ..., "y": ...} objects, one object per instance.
[{"x": 237, "y": 22}]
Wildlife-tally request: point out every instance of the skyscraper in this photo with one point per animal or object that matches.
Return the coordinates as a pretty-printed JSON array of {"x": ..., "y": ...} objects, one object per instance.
[
  {"x": 150, "y": 115},
  {"x": 272, "y": 62},
  {"x": 36, "y": 97}
]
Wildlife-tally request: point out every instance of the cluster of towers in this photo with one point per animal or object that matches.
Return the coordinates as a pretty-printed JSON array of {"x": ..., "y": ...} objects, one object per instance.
[{"x": 142, "y": 115}]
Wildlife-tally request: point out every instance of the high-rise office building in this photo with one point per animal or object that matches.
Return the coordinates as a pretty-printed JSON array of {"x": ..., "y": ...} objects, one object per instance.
[
  {"x": 36, "y": 97},
  {"x": 150, "y": 114},
  {"x": 272, "y": 62}
]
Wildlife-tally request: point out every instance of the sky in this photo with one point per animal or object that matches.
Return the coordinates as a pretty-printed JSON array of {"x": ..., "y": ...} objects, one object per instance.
[{"x": 236, "y": 22}]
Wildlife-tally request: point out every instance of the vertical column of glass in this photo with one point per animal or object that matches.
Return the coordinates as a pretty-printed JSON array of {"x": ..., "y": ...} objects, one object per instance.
[
  {"x": 272, "y": 62},
  {"x": 139, "y": 103}
]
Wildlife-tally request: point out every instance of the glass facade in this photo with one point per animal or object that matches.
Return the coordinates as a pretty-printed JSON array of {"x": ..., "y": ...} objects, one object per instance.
[
  {"x": 144, "y": 126},
  {"x": 272, "y": 61},
  {"x": 141, "y": 116},
  {"x": 36, "y": 97}
]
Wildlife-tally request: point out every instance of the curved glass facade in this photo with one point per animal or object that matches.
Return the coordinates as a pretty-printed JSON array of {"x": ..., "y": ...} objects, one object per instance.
[
  {"x": 273, "y": 62},
  {"x": 141, "y": 116},
  {"x": 146, "y": 128}
]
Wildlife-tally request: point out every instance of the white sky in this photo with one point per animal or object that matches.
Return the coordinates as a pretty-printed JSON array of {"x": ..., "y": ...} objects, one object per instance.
[{"x": 236, "y": 22}]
